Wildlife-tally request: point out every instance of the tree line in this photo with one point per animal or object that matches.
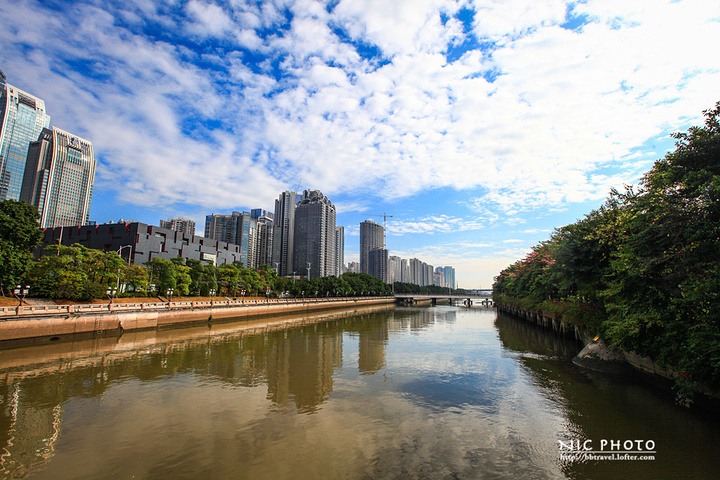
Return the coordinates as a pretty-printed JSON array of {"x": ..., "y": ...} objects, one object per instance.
[
  {"x": 79, "y": 273},
  {"x": 643, "y": 270}
]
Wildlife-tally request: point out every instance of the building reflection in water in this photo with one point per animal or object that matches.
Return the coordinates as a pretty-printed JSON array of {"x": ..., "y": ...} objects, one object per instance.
[
  {"x": 296, "y": 364},
  {"x": 29, "y": 432}
]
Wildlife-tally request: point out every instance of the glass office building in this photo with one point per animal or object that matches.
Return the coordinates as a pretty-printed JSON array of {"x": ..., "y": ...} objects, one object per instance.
[
  {"x": 22, "y": 118},
  {"x": 59, "y": 178}
]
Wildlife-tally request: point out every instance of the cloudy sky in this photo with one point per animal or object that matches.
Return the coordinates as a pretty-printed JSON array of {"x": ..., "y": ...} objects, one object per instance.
[{"x": 479, "y": 125}]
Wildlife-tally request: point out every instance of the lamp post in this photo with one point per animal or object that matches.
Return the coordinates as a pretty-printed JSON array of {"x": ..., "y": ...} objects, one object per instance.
[
  {"x": 243, "y": 295},
  {"x": 212, "y": 296},
  {"x": 119, "y": 252},
  {"x": 170, "y": 294},
  {"x": 20, "y": 293},
  {"x": 111, "y": 291},
  {"x": 267, "y": 295}
]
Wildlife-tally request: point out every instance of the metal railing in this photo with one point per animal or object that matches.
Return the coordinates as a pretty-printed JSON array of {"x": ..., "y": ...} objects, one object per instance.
[{"x": 78, "y": 309}]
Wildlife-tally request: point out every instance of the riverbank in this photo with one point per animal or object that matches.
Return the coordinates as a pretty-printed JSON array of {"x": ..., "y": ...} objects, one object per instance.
[
  {"x": 597, "y": 356},
  {"x": 31, "y": 324}
]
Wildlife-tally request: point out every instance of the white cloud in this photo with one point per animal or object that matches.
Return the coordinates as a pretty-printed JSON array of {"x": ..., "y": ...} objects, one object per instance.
[{"x": 558, "y": 125}]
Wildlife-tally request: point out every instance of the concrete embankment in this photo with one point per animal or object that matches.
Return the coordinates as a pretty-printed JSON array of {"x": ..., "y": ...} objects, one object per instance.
[
  {"x": 595, "y": 355},
  {"x": 35, "y": 324}
]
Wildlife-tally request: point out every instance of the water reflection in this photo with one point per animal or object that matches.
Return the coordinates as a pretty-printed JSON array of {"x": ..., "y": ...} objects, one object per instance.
[
  {"x": 374, "y": 393},
  {"x": 600, "y": 407}
]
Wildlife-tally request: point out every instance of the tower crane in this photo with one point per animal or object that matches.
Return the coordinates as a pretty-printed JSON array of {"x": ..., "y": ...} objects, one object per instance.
[{"x": 385, "y": 217}]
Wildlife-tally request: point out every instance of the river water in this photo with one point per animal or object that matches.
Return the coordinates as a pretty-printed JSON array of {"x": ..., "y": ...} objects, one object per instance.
[{"x": 397, "y": 392}]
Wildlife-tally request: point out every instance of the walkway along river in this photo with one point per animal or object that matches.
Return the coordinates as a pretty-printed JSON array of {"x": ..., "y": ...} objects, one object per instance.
[{"x": 371, "y": 392}]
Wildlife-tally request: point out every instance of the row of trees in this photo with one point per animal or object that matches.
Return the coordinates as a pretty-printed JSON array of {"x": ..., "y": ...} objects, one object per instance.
[
  {"x": 79, "y": 273},
  {"x": 643, "y": 270}
]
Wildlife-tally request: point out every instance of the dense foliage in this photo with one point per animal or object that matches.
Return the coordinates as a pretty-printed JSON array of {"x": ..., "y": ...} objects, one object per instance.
[
  {"x": 19, "y": 235},
  {"x": 643, "y": 270}
]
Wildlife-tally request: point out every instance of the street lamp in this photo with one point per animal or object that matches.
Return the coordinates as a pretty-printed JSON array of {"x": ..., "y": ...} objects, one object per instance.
[
  {"x": 169, "y": 294},
  {"x": 243, "y": 295},
  {"x": 267, "y": 295},
  {"x": 20, "y": 293},
  {"x": 111, "y": 291},
  {"x": 212, "y": 296},
  {"x": 119, "y": 252}
]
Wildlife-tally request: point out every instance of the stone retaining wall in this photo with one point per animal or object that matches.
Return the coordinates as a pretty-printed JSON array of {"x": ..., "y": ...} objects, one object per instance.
[{"x": 84, "y": 320}]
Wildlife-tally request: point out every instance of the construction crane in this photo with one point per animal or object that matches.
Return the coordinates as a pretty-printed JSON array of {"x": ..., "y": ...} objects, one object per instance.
[{"x": 385, "y": 217}]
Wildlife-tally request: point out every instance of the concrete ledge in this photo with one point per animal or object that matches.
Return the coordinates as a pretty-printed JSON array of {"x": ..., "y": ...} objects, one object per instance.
[{"x": 100, "y": 321}]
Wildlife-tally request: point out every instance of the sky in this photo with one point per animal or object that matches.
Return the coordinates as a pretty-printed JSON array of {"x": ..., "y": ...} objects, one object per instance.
[{"x": 477, "y": 126}]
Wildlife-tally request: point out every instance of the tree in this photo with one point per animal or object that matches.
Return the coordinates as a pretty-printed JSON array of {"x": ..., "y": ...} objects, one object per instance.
[
  {"x": 648, "y": 260},
  {"x": 203, "y": 277},
  {"x": 19, "y": 234},
  {"x": 75, "y": 272},
  {"x": 163, "y": 274}
]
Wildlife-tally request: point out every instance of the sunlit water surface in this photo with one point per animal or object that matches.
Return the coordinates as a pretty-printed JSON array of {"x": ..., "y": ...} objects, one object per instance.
[{"x": 436, "y": 392}]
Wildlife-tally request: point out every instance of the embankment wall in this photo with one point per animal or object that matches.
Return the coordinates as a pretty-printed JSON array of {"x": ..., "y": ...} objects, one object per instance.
[{"x": 117, "y": 318}]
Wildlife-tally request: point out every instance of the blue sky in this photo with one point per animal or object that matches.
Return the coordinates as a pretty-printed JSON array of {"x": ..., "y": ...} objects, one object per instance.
[{"x": 480, "y": 126}]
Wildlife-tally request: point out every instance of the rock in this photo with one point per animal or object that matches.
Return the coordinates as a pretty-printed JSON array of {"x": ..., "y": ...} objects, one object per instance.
[{"x": 597, "y": 356}]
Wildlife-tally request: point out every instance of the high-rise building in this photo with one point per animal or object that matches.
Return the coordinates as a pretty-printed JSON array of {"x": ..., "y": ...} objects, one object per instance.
[
  {"x": 264, "y": 236},
  {"x": 284, "y": 233},
  {"x": 415, "y": 271},
  {"x": 428, "y": 276},
  {"x": 339, "y": 250},
  {"x": 59, "y": 178},
  {"x": 395, "y": 267},
  {"x": 237, "y": 228},
  {"x": 405, "y": 269},
  {"x": 372, "y": 236},
  {"x": 22, "y": 119},
  {"x": 179, "y": 224},
  {"x": 378, "y": 264},
  {"x": 449, "y": 274},
  {"x": 353, "y": 267},
  {"x": 438, "y": 277},
  {"x": 314, "y": 236}
]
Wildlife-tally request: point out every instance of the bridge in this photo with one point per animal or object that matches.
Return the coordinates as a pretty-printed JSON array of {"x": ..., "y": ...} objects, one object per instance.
[{"x": 482, "y": 297}]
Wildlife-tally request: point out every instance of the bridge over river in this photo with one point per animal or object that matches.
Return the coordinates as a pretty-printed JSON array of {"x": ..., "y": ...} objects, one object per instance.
[{"x": 482, "y": 297}]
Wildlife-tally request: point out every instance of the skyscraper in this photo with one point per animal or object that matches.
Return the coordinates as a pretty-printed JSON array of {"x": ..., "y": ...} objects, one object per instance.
[
  {"x": 339, "y": 250},
  {"x": 395, "y": 268},
  {"x": 314, "y": 238},
  {"x": 372, "y": 236},
  {"x": 237, "y": 228},
  {"x": 22, "y": 119},
  {"x": 179, "y": 224},
  {"x": 378, "y": 264},
  {"x": 58, "y": 179},
  {"x": 264, "y": 236},
  {"x": 449, "y": 273},
  {"x": 284, "y": 233}
]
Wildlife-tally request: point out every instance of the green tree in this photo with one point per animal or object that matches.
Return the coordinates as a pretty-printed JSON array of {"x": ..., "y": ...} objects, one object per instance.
[
  {"x": 203, "y": 277},
  {"x": 137, "y": 278},
  {"x": 163, "y": 274},
  {"x": 648, "y": 261},
  {"x": 75, "y": 272},
  {"x": 19, "y": 234}
]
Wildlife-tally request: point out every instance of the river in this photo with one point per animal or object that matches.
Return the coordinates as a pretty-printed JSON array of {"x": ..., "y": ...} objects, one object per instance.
[{"x": 395, "y": 392}]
